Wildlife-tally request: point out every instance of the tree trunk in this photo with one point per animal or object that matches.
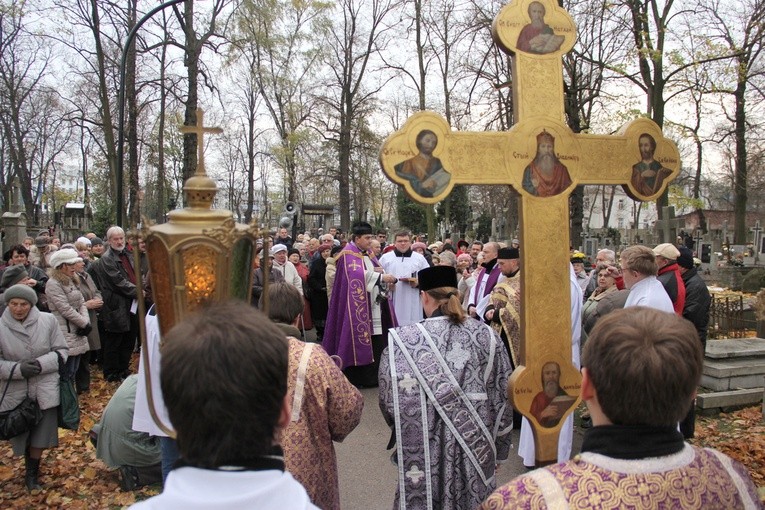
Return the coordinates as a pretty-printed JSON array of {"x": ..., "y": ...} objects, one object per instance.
[
  {"x": 161, "y": 192},
  {"x": 251, "y": 112},
  {"x": 739, "y": 190},
  {"x": 104, "y": 96},
  {"x": 191, "y": 61},
  {"x": 134, "y": 211}
]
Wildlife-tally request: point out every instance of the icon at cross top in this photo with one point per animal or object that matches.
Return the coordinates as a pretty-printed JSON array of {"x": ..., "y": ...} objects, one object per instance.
[{"x": 543, "y": 160}]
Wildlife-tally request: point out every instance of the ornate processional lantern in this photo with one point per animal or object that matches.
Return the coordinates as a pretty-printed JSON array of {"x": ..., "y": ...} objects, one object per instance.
[{"x": 201, "y": 255}]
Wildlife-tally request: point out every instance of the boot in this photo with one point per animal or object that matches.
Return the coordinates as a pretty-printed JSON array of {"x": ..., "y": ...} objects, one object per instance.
[{"x": 32, "y": 471}]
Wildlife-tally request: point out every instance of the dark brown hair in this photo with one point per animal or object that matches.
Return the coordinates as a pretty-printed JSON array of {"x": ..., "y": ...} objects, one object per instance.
[
  {"x": 285, "y": 302},
  {"x": 224, "y": 378},
  {"x": 645, "y": 366}
]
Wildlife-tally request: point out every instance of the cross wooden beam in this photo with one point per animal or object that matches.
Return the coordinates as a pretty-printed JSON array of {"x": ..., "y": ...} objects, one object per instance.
[
  {"x": 542, "y": 159},
  {"x": 199, "y": 130}
]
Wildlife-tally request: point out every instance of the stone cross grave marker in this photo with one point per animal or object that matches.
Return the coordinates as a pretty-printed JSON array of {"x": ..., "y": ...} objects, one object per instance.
[
  {"x": 757, "y": 231},
  {"x": 668, "y": 226},
  {"x": 542, "y": 159}
]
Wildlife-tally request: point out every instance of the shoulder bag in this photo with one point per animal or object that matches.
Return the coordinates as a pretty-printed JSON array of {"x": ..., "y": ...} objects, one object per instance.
[
  {"x": 22, "y": 418},
  {"x": 69, "y": 405}
]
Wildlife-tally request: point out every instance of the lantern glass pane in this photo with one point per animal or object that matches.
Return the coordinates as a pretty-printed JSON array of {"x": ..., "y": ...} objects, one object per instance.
[
  {"x": 241, "y": 269},
  {"x": 161, "y": 282},
  {"x": 200, "y": 269}
]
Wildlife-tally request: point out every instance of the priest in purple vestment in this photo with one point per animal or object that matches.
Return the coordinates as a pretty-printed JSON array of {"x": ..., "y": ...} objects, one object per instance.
[
  {"x": 485, "y": 281},
  {"x": 640, "y": 371},
  {"x": 443, "y": 385},
  {"x": 359, "y": 314}
]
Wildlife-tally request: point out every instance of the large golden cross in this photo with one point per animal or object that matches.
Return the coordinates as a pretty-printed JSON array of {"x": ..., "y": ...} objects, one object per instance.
[
  {"x": 542, "y": 159},
  {"x": 199, "y": 130}
]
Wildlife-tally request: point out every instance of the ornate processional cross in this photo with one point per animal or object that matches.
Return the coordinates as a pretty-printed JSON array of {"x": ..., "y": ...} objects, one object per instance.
[{"x": 543, "y": 160}]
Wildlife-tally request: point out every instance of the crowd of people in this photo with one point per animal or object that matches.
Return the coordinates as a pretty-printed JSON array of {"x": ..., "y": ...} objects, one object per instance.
[{"x": 436, "y": 328}]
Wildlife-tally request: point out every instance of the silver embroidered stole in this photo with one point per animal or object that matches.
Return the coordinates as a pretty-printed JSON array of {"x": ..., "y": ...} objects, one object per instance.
[{"x": 431, "y": 381}]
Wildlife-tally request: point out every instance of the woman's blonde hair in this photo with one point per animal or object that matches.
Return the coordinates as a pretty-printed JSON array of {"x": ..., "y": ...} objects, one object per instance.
[
  {"x": 448, "y": 299},
  {"x": 59, "y": 275}
]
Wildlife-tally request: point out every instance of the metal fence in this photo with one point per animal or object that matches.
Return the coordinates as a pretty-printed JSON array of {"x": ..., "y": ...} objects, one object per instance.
[{"x": 728, "y": 318}]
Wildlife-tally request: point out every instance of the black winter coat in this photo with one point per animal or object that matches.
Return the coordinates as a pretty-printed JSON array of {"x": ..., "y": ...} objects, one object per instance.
[{"x": 697, "y": 302}]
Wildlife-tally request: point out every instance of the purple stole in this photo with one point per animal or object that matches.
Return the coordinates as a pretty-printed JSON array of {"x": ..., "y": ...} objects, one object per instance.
[
  {"x": 493, "y": 277},
  {"x": 348, "y": 331}
]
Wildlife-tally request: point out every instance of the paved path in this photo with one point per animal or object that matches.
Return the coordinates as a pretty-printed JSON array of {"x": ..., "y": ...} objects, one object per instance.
[{"x": 367, "y": 476}]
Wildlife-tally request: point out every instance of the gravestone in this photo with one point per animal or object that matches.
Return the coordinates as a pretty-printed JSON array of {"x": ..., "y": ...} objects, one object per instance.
[
  {"x": 668, "y": 226},
  {"x": 543, "y": 160},
  {"x": 734, "y": 364},
  {"x": 15, "y": 228}
]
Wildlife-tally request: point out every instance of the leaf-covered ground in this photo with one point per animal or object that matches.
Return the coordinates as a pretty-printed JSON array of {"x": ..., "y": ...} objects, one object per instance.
[
  {"x": 74, "y": 479},
  {"x": 72, "y": 476},
  {"x": 741, "y": 435}
]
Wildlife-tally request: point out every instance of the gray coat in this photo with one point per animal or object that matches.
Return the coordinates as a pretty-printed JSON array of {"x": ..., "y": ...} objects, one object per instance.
[
  {"x": 37, "y": 337},
  {"x": 90, "y": 291},
  {"x": 68, "y": 306}
]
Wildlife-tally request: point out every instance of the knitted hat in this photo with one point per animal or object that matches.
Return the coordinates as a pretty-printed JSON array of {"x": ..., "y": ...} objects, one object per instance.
[
  {"x": 20, "y": 291},
  {"x": 13, "y": 275},
  {"x": 420, "y": 245},
  {"x": 42, "y": 241},
  {"x": 85, "y": 240},
  {"x": 96, "y": 241},
  {"x": 65, "y": 256},
  {"x": 685, "y": 259},
  {"x": 325, "y": 246},
  {"x": 435, "y": 277}
]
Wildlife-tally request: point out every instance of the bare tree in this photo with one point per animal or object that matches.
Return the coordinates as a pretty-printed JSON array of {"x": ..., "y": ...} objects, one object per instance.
[
  {"x": 740, "y": 27},
  {"x": 281, "y": 40},
  {"x": 23, "y": 62},
  {"x": 96, "y": 67},
  {"x": 356, "y": 38},
  {"x": 193, "y": 44},
  {"x": 583, "y": 74}
]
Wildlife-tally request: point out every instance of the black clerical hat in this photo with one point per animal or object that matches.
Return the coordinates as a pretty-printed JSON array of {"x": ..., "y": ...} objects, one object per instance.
[
  {"x": 361, "y": 228},
  {"x": 508, "y": 253},
  {"x": 437, "y": 276}
]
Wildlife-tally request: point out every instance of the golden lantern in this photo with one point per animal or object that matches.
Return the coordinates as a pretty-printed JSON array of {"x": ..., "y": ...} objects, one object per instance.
[{"x": 201, "y": 255}]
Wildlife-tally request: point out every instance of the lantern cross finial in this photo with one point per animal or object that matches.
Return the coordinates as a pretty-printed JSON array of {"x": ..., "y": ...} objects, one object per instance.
[{"x": 199, "y": 130}]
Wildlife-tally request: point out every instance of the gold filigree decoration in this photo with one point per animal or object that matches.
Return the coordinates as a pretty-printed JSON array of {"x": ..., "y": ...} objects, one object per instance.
[{"x": 227, "y": 234}]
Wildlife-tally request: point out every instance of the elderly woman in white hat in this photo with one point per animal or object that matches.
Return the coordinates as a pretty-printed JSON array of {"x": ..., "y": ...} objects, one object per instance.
[
  {"x": 29, "y": 340},
  {"x": 67, "y": 304}
]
